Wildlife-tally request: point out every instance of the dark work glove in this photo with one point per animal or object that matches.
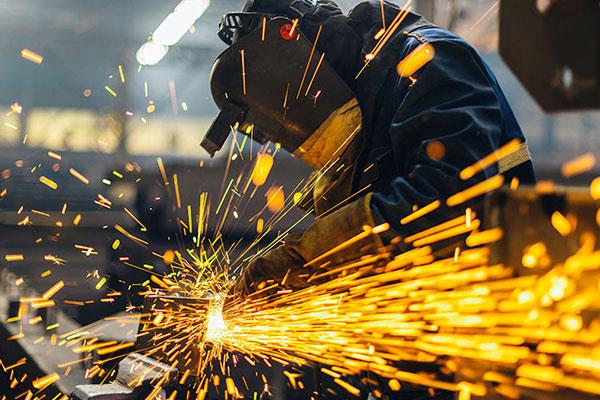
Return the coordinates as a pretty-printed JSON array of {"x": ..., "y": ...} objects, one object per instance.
[
  {"x": 274, "y": 266},
  {"x": 331, "y": 239}
]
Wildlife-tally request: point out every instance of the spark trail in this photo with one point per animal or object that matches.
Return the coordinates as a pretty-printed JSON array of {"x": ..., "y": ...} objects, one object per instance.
[{"x": 446, "y": 312}]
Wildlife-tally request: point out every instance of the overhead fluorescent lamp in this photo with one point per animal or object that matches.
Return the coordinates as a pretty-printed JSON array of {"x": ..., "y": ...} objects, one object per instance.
[
  {"x": 171, "y": 30},
  {"x": 151, "y": 53}
]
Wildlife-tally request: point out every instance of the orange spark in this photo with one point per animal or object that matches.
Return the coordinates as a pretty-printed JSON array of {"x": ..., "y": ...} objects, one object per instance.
[
  {"x": 79, "y": 176},
  {"x": 32, "y": 56},
  {"x": 416, "y": 60}
]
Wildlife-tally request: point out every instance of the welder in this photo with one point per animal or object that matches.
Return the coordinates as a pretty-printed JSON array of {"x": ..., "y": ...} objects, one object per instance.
[{"x": 383, "y": 144}]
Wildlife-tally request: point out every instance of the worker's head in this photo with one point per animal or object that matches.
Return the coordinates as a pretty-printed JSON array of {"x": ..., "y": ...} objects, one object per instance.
[
  {"x": 285, "y": 78},
  {"x": 338, "y": 41}
]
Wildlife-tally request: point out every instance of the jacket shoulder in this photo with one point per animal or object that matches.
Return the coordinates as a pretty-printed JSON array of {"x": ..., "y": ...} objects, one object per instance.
[
  {"x": 450, "y": 48},
  {"x": 429, "y": 33}
]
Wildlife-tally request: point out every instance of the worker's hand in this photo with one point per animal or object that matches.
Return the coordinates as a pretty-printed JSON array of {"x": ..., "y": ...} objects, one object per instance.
[
  {"x": 335, "y": 239},
  {"x": 281, "y": 266}
]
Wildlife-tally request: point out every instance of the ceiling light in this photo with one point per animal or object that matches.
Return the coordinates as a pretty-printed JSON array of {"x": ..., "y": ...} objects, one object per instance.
[
  {"x": 151, "y": 53},
  {"x": 171, "y": 30}
]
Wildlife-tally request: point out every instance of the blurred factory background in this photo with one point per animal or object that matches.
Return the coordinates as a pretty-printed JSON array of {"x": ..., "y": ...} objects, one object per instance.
[
  {"x": 92, "y": 102},
  {"x": 66, "y": 107}
]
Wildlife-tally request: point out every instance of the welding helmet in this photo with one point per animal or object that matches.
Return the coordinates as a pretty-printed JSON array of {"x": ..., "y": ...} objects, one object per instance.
[{"x": 273, "y": 84}]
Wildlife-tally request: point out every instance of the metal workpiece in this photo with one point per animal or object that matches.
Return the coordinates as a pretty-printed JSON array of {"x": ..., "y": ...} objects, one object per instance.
[
  {"x": 165, "y": 325},
  {"x": 136, "y": 379},
  {"x": 164, "y": 329},
  {"x": 526, "y": 218}
]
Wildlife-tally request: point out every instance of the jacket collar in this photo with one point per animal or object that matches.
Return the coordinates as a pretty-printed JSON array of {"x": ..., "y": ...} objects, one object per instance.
[{"x": 366, "y": 19}]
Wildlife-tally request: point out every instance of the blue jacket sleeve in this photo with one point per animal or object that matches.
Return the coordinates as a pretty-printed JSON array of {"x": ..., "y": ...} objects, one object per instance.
[{"x": 453, "y": 104}]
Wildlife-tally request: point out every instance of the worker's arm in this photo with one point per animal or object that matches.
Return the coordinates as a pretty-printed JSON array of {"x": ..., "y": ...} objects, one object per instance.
[
  {"x": 336, "y": 238},
  {"x": 453, "y": 104}
]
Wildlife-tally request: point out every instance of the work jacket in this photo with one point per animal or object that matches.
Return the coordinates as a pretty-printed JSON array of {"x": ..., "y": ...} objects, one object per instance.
[{"x": 419, "y": 132}]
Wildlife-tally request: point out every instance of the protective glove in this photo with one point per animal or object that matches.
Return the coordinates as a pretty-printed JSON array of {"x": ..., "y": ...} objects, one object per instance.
[
  {"x": 270, "y": 269},
  {"x": 339, "y": 237}
]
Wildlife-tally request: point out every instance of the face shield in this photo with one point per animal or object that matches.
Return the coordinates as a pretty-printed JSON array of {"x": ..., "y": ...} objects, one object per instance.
[{"x": 273, "y": 85}]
